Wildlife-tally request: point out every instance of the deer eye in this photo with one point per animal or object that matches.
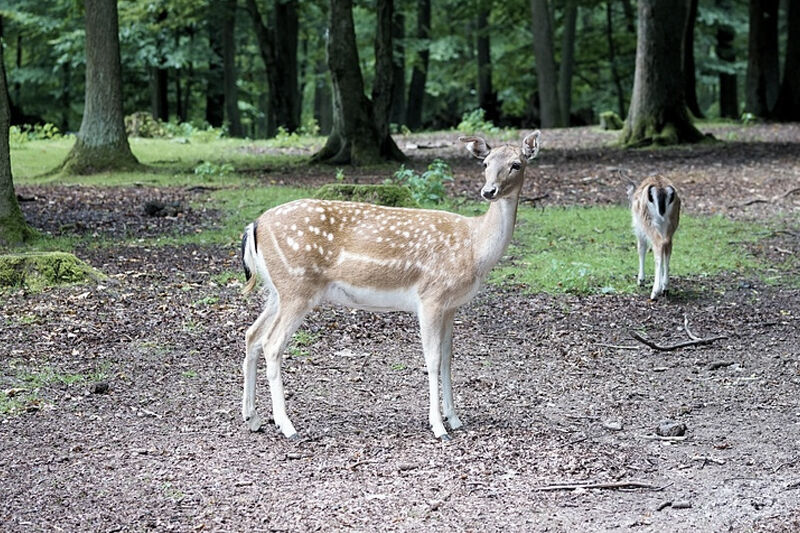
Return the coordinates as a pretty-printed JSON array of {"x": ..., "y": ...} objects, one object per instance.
[
  {"x": 485, "y": 165},
  {"x": 515, "y": 166}
]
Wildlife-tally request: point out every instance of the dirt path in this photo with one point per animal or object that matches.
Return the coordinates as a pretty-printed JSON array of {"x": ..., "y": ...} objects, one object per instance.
[{"x": 544, "y": 401}]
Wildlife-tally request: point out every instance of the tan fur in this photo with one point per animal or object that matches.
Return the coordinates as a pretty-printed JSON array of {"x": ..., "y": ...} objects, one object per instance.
[
  {"x": 380, "y": 258},
  {"x": 658, "y": 234}
]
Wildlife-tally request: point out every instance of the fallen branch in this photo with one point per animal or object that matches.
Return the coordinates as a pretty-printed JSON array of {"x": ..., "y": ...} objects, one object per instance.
[
  {"x": 670, "y": 347},
  {"x": 767, "y": 200},
  {"x": 533, "y": 199},
  {"x": 592, "y": 485},
  {"x": 617, "y": 346},
  {"x": 665, "y": 439}
]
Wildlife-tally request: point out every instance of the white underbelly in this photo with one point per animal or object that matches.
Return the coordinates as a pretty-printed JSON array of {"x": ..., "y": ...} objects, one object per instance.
[{"x": 371, "y": 299}]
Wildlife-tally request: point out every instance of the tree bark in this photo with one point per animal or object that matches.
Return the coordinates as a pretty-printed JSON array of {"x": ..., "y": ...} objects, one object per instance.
[
  {"x": 726, "y": 52},
  {"x": 762, "y": 80},
  {"x": 612, "y": 59},
  {"x": 487, "y": 98},
  {"x": 354, "y": 138},
  {"x": 215, "y": 79},
  {"x": 159, "y": 79},
  {"x": 787, "y": 108},
  {"x": 384, "y": 68},
  {"x": 657, "y": 113},
  {"x": 567, "y": 61},
  {"x": 323, "y": 100},
  {"x": 101, "y": 143},
  {"x": 416, "y": 89},
  {"x": 277, "y": 43},
  {"x": 689, "y": 76},
  {"x": 398, "y": 115},
  {"x": 229, "y": 69},
  {"x": 545, "y": 65},
  {"x": 13, "y": 228}
]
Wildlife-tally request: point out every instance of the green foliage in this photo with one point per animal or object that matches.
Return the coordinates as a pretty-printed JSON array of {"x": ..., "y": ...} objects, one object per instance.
[
  {"x": 19, "y": 136},
  {"x": 610, "y": 121},
  {"x": 428, "y": 188},
  {"x": 475, "y": 122},
  {"x": 142, "y": 124},
  {"x": 388, "y": 194},
  {"x": 592, "y": 250},
  {"x": 25, "y": 394},
  {"x": 208, "y": 169},
  {"x": 35, "y": 271}
]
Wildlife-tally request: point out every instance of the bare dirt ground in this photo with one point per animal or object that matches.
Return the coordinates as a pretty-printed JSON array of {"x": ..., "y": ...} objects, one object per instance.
[{"x": 545, "y": 398}]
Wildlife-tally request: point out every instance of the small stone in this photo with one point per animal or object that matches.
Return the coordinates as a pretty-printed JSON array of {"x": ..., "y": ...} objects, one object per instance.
[
  {"x": 670, "y": 428},
  {"x": 682, "y": 504},
  {"x": 99, "y": 387},
  {"x": 613, "y": 425}
]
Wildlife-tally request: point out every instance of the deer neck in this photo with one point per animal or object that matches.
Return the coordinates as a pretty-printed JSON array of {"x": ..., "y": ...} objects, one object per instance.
[{"x": 493, "y": 231}]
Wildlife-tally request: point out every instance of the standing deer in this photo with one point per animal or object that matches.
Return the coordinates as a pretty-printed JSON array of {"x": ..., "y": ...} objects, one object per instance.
[
  {"x": 656, "y": 210},
  {"x": 378, "y": 258}
]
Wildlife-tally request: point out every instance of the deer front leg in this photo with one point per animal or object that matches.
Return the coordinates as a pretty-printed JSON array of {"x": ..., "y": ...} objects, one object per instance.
[
  {"x": 665, "y": 266},
  {"x": 431, "y": 329},
  {"x": 448, "y": 407},
  {"x": 641, "y": 247}
]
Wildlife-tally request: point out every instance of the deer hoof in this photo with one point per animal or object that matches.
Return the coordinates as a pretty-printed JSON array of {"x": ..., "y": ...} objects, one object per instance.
[
  {"x": 445, "y": 438},
  {"x": 254, "y": 423}
]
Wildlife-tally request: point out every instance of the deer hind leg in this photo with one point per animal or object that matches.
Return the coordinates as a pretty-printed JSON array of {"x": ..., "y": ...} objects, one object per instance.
[
  {"x": 290, "y": 316},
  {"x": 665, "y": 266},
  {"x": 658, "y": 257},
  {"x": 641, "y": 247},
  {"x": 253, "y": 340},
  {"x": 448, "y": 407},
  {"x": 431, "y": 330}
]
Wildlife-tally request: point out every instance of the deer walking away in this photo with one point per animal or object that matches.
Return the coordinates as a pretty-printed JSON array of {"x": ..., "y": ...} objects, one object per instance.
[
  {"x": 656, "y": 211},
  {"x": 378, "y": 258}
]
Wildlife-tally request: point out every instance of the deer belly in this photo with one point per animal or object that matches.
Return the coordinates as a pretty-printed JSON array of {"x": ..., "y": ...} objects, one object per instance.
[{"x": 372, "y": 299}]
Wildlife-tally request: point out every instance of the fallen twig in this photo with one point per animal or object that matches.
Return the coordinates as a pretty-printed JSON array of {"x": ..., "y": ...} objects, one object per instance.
[
  {"x": 687, "y": 330},
  {"x": 767, "y": 200},
  {"x": 617, "y": 346},
  {"x": 670, "y": 347},
  {"x": 592, "y": 485},
  {"x": 533, "y": 199},
  {"x": 665, "y": 439}
]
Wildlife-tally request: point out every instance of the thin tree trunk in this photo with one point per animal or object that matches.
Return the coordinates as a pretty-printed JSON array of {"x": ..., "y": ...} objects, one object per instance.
[
  {"x": 13, "y": 228},
  {"x": 384, "y": 67},
  {"x": 231, "y": 90},
  {"x": 416, "y": 89},
  {"x": 487, "y": 98},
  {"x": 159, "y": 79},
  {"x": 726, "y": 52},
  {"x": 788, "y": 106},
  {"x": 215, "y": 83},
  {"x": 657, "y": 112},
  {"x": 689, "y": 77},
  {"x": 398, "y": 115},
  {"x": 762, "y": 81},
  {"x": 66, "y": 76},
  {"x": 612, "y": 59},
  {"x": 323, "y": 100},
  {"x": 101, "y": 143},
  {"x": 545, "y": 65},
  {"x": 567, "y": 61}
]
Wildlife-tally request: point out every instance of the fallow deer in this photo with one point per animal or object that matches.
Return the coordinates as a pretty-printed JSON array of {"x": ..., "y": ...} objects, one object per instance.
[
  {"x": 656, "y": 211},
  {"x": 378, "y": 258}
]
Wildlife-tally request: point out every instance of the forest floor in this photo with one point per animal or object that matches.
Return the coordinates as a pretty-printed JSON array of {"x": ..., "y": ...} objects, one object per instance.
[{"x": 552, "y": 388}]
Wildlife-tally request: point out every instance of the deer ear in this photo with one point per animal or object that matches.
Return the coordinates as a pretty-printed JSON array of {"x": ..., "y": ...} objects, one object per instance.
[
  {"x": 630, "y": 189},
  {"x": 476, "y": 146},
  {"x": 530, "y": 145}
]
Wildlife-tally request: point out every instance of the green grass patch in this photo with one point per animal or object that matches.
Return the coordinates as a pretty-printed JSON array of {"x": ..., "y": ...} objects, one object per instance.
[
  {"x": 26, "y": 386},
  {"x": 592, "y": 250}
]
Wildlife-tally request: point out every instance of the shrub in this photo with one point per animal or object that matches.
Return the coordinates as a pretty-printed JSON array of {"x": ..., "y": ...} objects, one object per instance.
[
  {"x": 209, "y": 169},
  {"x": 475, "y": 122},
  {"x": 610, "y": 121},
  {"x": 142, "y": 124},
  {"x": 428, "y": 187},
  {"x": 388, "y": 194}
]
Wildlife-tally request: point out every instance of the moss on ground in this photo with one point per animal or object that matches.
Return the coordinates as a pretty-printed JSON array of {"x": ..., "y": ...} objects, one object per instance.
[
  {"x": 35, "y": 271},
  {"x": 381, "y": 194}
]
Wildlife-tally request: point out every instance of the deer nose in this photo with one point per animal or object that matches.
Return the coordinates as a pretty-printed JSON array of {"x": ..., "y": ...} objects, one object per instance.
[{"x": 489, "y": 194}]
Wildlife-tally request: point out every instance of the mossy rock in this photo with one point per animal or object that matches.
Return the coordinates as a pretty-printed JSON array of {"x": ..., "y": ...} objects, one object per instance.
[
  {"x": 380, "y": 194},
  {"x": 35, "y": 271},
  {"x": 610, "y": 121}
]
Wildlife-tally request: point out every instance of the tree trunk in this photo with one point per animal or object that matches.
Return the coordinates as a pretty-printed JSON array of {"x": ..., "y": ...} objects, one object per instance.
[
  {"x": 13, "y": 228},
  {"x": 416, "y": 90},
  {"x": 726, "y": 52},
  {"x": 229, "y": 69},
  {"x": 487, "y": 98},
  {"x": 215, "y": 91},
  {"x": 689, "y": 77},
  {"x": 384, "y": 68},
  {"x": 787, "y": 108},
  {"x": 323, "y": 100},
  {"x": 159, "y": 79},
  {"x": 354, "y": 138},
  {"x": 612, "y": 59},
  {"x": 101, "y": 143},
  {"x": 762, "y": 81},
  {"x": 277, "y": 43},
  {"x": 398, "y": 115},
  {"x": 567, "y": 61},
  {"x": 545, "y": 65},
  {"x": 657, "y": 113}
]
